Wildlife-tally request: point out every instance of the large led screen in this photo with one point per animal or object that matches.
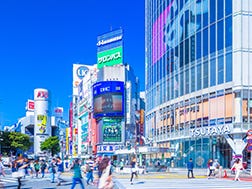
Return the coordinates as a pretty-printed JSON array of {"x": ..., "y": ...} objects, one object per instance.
[{"x": 108, "y": 99}]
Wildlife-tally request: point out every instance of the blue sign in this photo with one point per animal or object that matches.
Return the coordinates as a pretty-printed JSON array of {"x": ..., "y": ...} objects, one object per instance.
[{"x": 82, "y": 71}]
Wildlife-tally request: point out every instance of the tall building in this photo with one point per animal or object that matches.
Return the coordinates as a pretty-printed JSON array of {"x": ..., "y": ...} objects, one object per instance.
[
  {"x": 116, "y": 95},
  {"x": 198, "y": 84},
  {"x": 86, "y": 123}
]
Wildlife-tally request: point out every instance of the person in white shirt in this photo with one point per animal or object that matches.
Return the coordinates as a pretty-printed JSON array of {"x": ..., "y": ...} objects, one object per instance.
[
  {"x": 238, "y": 167},
  {"x": 2, "y": 168}
]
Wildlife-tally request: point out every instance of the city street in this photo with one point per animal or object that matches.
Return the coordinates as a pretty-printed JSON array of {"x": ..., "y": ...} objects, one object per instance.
[
  {"x": 147, "y": 181},
  {"x": 203, "y": 183},
  {"x": 38, "y": 183}
]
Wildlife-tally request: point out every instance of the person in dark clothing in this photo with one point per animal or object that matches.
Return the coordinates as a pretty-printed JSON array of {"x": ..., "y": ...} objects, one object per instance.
[
  {"x": 190, "y": 168},
  {"x": 133, "y": 169}
]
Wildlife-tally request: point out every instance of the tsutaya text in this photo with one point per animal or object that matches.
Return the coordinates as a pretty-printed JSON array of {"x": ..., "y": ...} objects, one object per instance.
[{"x": 212, "y": 130}]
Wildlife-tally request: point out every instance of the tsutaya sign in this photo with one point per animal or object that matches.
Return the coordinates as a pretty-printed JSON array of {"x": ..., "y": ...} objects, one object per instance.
[
  {"x": 110, "y": 57},
  {"x": 213, "y": 130}
]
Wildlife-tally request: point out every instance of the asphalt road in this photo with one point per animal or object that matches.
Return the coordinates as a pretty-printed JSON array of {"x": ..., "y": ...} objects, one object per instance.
[{"x": 201, "y": 183}]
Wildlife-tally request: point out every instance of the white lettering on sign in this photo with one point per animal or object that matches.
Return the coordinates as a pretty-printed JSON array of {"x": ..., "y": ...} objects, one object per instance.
[
  {"x": 104, "y": 42},
  {"x": 105, "y": 89},
  {"x": 108, "y": 148},
  {"x": 213, "y": 130},
  {"x": 108, "y": 58}
]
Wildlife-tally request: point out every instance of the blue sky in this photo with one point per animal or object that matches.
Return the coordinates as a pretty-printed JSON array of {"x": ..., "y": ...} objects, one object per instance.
[{"x": 40, "y": 40}]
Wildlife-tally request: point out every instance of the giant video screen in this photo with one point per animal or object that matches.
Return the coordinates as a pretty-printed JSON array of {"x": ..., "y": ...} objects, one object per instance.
[{"x": 108, "y": 99}]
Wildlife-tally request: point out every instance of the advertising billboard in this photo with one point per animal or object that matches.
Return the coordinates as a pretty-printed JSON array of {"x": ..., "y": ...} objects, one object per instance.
[
  {"x": 79, "y": 72},
  {"x": 108, "y": 98},
  {"x": 112, "y": 130},
  {"x": 110, "y": 57},
  {"x": 172, "y": 26},
  {"x": 42, "y": 129},
  {"x": 30, "y": 105}
]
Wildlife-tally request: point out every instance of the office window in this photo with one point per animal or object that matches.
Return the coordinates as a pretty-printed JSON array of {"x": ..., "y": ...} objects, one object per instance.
[
  {"x": 187, "y": 81},
  {"x": 212, "y": 11},
  {"x": 198, "y": 45},
  {"x": 199, "y": 76},
  {"x": 205, "y": 42},
  {"x": 212, "y": 38},
  {"x": 229, "y": 67},
  {"x": 205, "y": 15},
  {"x": 228, "y": 32},
  {"x": 228, "y": 7},
  {"x": 181, "y": 83},
  {"x": 193, "y": 79},
  {"x": 220, "y": 9},
  {"x": 220, "y": 69},
  {"x": 205, "y": 74},
  {"x": 220, "y": 35},
  {"x": 212, "y": 72}
]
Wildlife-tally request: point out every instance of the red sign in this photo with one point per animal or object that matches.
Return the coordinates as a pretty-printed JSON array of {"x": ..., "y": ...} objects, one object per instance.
[
  {"x": 30, "y": 105},
  {"x": 42, "y": 94}
]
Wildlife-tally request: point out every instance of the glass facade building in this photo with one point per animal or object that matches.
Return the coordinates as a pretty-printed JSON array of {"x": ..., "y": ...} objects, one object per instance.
[{"x": 198, "y": 86}]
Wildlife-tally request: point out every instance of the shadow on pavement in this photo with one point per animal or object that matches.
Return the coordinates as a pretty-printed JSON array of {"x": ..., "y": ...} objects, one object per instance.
[{"x": 140, "y": 182}]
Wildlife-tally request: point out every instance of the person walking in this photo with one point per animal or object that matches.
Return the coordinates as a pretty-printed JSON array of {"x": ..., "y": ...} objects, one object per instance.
[
  {"x": 210, "y": 168},
  {"x": 37, "y": 168},
  {"x": 77, "y": 174},
  {"x": 2, "y": 172},
  {"x": 121, "y": 165},
  {"x": 60, "y": 165},
  {"x": 133, "y": 169},
  {"x": 43, "y": 166},
  {"x": 190, "y": 168},
  {"x": 105, "y": 180},
  {"x": 238, "y": 168},
  {"x": 90, "y": 169},
  {"x": 52, "y": 169}
]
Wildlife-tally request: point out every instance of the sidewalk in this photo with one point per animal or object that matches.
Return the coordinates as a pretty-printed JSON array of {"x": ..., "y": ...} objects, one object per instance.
[{"x": 180, "y": 173}]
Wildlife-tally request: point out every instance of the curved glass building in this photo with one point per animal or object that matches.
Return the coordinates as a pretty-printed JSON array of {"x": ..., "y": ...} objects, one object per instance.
[{"x": 198, "y": 69}]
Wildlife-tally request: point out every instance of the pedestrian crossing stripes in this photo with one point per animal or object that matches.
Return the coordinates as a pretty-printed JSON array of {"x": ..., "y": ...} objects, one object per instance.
[{"x": 8, "y": 180}]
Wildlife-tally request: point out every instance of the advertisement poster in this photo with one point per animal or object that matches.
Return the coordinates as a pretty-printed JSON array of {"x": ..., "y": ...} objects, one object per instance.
[
  {"x": 42, "y": 121},
  {"x": 112, "y": 130}
]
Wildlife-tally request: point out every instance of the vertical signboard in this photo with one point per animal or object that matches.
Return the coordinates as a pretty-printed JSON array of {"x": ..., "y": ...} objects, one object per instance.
[
  {"x": 110, "y": 48},
  {"x": 42, "y": 128}
]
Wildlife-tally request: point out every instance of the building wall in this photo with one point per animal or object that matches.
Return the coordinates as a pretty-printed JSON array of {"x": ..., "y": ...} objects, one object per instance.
[{"x": 198, "y": 85}]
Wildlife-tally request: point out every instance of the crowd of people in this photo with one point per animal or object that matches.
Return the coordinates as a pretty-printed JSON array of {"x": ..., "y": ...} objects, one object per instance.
[{"x": 213, "y": 168}]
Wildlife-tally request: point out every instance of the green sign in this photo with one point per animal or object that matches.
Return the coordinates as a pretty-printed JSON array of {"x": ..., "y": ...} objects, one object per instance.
[
  {"x": 112, "y": 130},
  {"x": 110, "y": 57}
]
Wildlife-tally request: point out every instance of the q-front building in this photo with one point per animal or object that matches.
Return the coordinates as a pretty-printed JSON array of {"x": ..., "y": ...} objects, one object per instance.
[{"x": 198, "y": 79}]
